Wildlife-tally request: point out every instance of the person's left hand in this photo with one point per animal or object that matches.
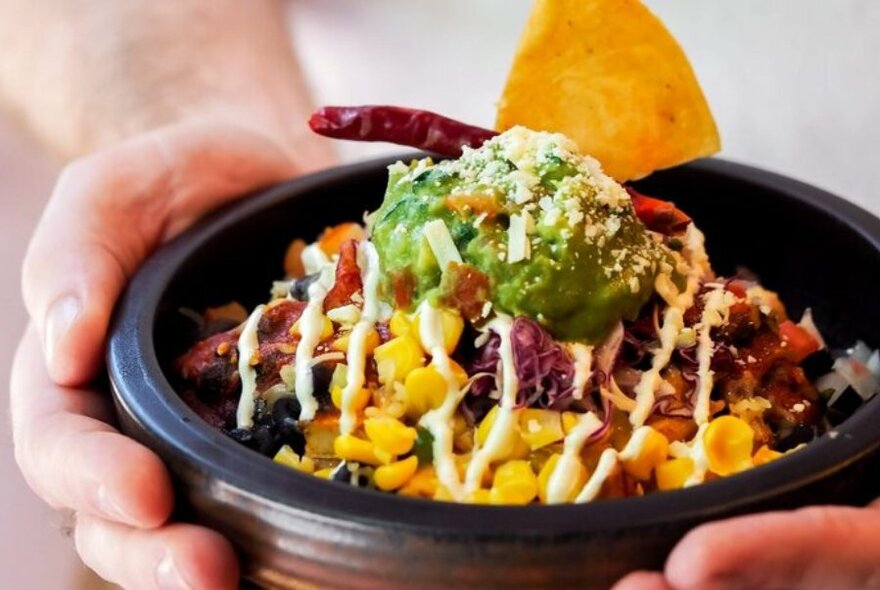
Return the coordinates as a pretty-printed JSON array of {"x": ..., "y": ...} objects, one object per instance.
[{"x": 820, "y": 547}]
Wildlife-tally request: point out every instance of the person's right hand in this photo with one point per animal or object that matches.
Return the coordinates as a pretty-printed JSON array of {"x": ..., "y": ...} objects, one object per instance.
[{"x": 107, "y": 212}]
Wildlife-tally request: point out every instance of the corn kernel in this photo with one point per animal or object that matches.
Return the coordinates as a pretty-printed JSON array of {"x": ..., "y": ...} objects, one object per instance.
[
  {"x": 397, "y": 358},
  {"x": 728, "y": 442},
  {"x": 422, "y": 485},
  {"x": 287, "y": 456},
  {"x": 513, "y": 446},
  {"x": 399, "y": 324},
  {"x": 653, "y": 452},
  {"x": 452, "y": 326},
  {"x": 324, "y": 473},
  {"x": 326, "y": 328},
  {"x": 577, "y": 482},
  {"x": 390, "y": 435},
  {"x": 361, "y": 399},
  {"x": 764, "y": 455},
  {"x": 425, "y": 390},
  {"x": 514, "y": 483},
  {"x": 458, "y": 372},
  {"x": 480, "y": 496},
  {"x": 395, "y": 475},
  {"x": 351, "y": 448},
  {"x": 540, "y": 428},
  {"x": 672, "y": 474},
  {"x": 569, "y": 421},
  {"x": 370, "y": 342},
  {"x": 443, "y": 494}
]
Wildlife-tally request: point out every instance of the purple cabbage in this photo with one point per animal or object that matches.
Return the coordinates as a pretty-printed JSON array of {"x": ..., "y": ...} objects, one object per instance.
[{"x": 544, "y": 369}]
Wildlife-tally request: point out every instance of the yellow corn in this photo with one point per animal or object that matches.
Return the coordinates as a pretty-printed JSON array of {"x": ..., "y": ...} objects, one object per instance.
[
  {"x": 578, "y": 481},
  {"x": 360, "y": 401},
  {"x": 425, "y": 390},
  {"x": 728, "y": 442},
  {"x": 443, "y": 494},
  {"x": 288, "y": 457},
  {"x": 540, "y": 428},
  {"x": 399, "y": 324},
  {"x": 513, "y": 446},
  {"x": 514, "y": 483},
  {"x": 397, "y": 358},
  {"x": 351, "y": 448},
  {"x": 569, "y": 421},
  {"x": 451, "y": 323},
  {"x": 654, "y": 451},
  {"x": 479, "y": 497},
  {"x": 370, "y": 342},
  {"x": 461, "y": 376},
  {"x": 395, "y": 475},
  {"x": 422, "y": 485},
  {"x": 324, "y": 473},
  {"x": 390, "y": 435},
  {"x": 326, "y": 328},
  {"x": 764, "y": 455},
  {"x": 672, "y": 474}
]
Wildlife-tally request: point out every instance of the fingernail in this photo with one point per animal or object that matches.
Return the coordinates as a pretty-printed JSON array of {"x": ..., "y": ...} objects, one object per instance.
[
  {"x": 59, "y": 320},
  {"x": 111, "y": 509},
  {"x": 168, "y": 577}
]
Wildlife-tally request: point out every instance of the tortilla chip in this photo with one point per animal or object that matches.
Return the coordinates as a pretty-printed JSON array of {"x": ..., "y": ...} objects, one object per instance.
[{"x": 608, "y": 74}]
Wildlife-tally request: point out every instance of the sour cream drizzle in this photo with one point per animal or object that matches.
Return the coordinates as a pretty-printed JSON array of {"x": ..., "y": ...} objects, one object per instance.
[
  {"x": 609, "y": 459},
  {"x": 583, "y": 368},
  {"x": 715, "y": 313},
  {"x": 439, "y": 420},
  {"x": 356, "y": 359},
  {"x": 248, "y": 346},
  {"x": 560, "y": 485},
  {"x": 673, "y": 322},
  {"x": 311, "y": 324},
  {"x": 695, "y": 450},
  {"x": 506, "y": 424}
]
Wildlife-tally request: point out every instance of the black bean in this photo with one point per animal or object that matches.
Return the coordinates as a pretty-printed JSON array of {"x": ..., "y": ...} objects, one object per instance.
[
  {"x": 299, "y": 288},
  {"x": 817, "y": 364},
  {"x": 343, "y": 473}
]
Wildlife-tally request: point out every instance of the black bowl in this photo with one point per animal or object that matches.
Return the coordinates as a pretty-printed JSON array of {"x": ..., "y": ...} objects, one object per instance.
[{"x": 295, "y": 530}]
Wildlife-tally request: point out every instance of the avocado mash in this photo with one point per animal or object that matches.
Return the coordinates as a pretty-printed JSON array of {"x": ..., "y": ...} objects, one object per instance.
[{"x": 557, "y": 238}]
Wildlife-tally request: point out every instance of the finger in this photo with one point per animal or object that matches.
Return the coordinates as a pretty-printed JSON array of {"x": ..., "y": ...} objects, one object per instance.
[
  {"x": 816, "y": 547},
  {"x": 177, "y": 556},
  {"x": 643, "y": 581},
  {"x": 72, "y": 458},
  {"x": 110, "y": 210}
]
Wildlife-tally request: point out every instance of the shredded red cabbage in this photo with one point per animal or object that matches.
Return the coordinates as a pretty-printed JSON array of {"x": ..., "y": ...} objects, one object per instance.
[{"x": 544, "y": 368}]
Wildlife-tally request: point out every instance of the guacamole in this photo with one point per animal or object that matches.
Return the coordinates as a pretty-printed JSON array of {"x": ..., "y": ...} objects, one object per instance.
[{"x": 557, "y": 238}]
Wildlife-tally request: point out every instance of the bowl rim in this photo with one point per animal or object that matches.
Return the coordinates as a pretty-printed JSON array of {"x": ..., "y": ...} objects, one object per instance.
[{"x": 178, "y": 434}]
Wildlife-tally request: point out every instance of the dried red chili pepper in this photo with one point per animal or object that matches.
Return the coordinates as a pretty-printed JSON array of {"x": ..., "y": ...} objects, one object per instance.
[
  {"x": 659, "y": 216},
  {"x": 415, "y": 128}
]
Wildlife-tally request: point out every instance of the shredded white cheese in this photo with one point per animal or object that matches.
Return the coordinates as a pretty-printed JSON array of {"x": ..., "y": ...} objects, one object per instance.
[{"x": 441, "y": 244}]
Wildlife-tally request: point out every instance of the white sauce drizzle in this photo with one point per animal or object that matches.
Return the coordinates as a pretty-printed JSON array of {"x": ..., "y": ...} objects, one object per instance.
[
  {"x": 356, "y": 359},
  {"x": 248, "y": 345},
  {"x": 609, "y": 460},
  {"x": 583, "y": 368},
  {"x": 695, "y": 450},
  {"x": 506, "y": 423},
  {"x": 715, "y": 313},
  {"x": 313, "y": 258},
  {"x": 673, "y": 322},
  {"x": 311, "y": 324},
  {"x": 438, "y": 421},
  {"x": 560, "y": 484}
]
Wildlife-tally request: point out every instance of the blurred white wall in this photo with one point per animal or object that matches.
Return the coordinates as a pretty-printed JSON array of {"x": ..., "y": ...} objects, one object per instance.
[{"x": 793, "y": 84}]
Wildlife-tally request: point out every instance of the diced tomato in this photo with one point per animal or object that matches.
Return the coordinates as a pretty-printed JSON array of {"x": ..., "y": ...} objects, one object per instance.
[
  {"x": 798, "y": 343},
  {"x": 348, "y": 277}
]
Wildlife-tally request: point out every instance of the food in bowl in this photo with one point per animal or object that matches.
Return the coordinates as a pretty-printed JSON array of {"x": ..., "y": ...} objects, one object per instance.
[{"x": 515, "y": 327}]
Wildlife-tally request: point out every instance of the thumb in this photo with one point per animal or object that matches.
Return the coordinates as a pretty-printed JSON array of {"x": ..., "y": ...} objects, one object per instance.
[
  {"x": 813, "y": 548},
  {"x": 108, "y": 211}
]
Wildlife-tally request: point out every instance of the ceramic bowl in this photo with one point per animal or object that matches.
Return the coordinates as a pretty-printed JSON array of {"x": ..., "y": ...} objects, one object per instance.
[{"x": 297, "y": 531}]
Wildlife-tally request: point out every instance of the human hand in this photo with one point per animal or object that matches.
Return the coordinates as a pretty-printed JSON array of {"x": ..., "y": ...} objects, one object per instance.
[
  {"x": 819, "y": 547},
  {"x": 107, "y": 212}
]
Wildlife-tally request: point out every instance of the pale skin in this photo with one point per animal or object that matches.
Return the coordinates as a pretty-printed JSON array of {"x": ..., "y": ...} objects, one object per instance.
[{"x": 167, "y": 110}]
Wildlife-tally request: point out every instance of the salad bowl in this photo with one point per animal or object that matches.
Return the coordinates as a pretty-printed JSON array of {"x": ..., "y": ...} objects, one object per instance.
[{"x": 296, "y": 531}]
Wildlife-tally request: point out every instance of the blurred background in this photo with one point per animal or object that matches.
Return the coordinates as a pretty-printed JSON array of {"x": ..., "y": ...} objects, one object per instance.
[{"x": 793, "y": 85}]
